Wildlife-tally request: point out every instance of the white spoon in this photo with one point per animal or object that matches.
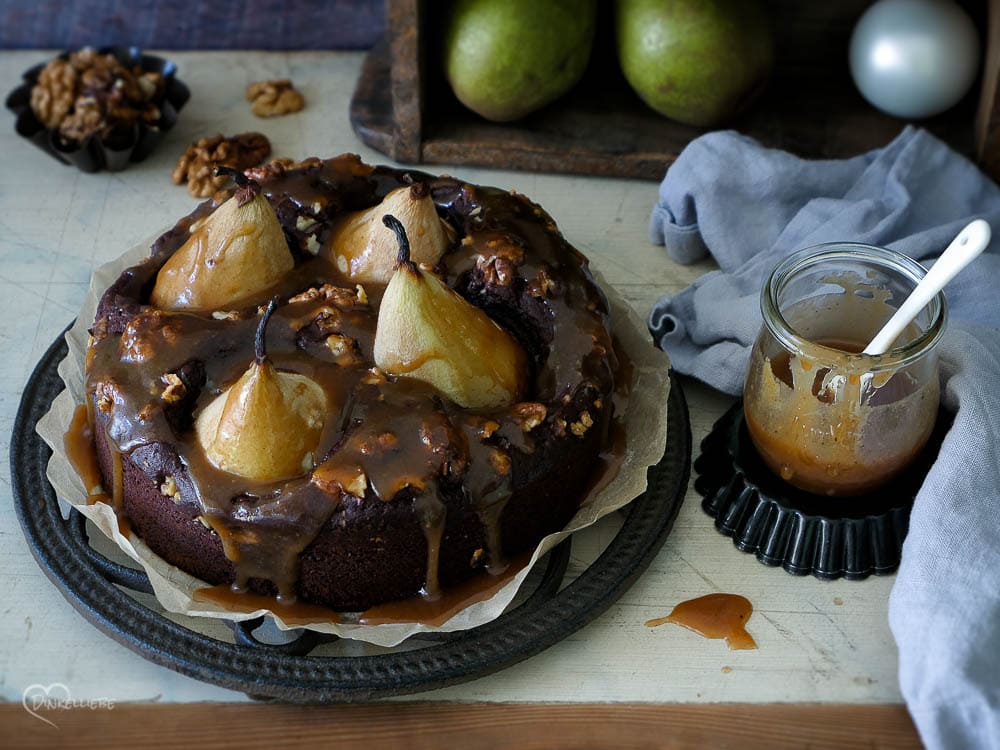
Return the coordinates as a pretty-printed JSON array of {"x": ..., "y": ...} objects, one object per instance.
[{"x": 965, "y": 248}]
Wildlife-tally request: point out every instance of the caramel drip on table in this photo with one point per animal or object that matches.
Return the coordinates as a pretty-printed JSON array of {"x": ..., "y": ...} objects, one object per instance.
[{"x": 714, "y": 616}]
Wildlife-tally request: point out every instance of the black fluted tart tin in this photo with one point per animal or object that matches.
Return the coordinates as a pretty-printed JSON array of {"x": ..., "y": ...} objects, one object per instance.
[
  {"x": 804, "y": 533},
  {"x": 126, "y": 145}
]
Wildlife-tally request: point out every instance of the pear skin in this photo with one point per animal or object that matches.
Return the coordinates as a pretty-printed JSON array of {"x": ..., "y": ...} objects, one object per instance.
[
  {"x": 506, "y": 58},
  {"x": 238, "y": 251},
  {"x": 428, "y": 332},
  {"x": 267, "y": 425},
  {"x": 697, "y": 62},
  {"x": 362, "y": 247}
]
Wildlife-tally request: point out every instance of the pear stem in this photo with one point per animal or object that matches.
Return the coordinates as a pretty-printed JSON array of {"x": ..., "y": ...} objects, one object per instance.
[
  {"x": 258, "y": 342},
  {"x": 403, "y": 257},
  {"x": 246, "y": 189}
]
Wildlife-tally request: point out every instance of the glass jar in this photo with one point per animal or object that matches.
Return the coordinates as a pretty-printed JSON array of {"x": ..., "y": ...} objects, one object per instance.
[{"x": 823, "y": 416}]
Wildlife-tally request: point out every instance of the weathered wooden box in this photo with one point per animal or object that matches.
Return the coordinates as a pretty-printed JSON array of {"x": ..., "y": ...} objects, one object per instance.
[{"x": 404, "y": 107}]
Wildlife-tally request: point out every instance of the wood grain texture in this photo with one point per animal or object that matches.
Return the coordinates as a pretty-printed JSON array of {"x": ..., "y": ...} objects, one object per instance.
[{"x": 420, "y": 726}]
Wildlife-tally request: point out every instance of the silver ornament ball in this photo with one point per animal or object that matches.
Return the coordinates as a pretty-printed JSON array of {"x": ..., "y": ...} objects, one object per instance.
[{"x": 914, "y": 58}]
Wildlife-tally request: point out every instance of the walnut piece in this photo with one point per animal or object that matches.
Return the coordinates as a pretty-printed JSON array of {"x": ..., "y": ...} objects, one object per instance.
[
  {"x": 276, "y": 97},
  {"x": 340, "y": 297},
  {"x": 530, "y": 415},
  {"x": 500, "y": 462},
  {"x": 170, "y": 489},
  {"x": 344, "y": 349},
  {"x": 277, "y": 167},
  {"x": 580, "y": 427},
  {"x": 197, "y": 164},
  {"x": 105, "y": 393},
  {"x": 53, "y": 95},
  {"x": 175, "y": 389},
  {"x": 499, "y": 267}
]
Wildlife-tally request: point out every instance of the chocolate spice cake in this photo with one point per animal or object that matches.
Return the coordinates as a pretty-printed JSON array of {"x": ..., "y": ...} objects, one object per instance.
[{"x": 350, "y": 384}]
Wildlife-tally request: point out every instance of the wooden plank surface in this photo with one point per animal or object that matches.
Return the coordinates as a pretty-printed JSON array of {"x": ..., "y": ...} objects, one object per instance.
[
  {"x": 825, "y": 642},
  {"x": 423, "y": 726}
]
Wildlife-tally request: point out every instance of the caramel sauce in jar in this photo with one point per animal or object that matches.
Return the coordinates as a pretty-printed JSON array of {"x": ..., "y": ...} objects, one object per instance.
[{"x": 823, "y": 416}]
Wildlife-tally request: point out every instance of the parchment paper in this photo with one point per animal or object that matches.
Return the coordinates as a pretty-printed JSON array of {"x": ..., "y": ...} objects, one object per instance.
[{"x": 646, "y": 435}]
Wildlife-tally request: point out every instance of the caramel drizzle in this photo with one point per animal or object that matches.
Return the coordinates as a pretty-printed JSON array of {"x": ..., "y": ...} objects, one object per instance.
[{"x": 431, "y": 513}]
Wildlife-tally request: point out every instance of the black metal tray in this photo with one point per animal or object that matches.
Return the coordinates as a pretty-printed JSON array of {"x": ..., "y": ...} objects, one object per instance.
[{"x": 288, "y": 672}]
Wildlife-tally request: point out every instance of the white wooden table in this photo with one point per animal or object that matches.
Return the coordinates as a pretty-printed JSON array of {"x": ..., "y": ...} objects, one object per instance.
[{"x": 818, "y": 641}]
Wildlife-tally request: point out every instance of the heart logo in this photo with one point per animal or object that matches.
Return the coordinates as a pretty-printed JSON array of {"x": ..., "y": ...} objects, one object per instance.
[{"x": 37, "y": 696}]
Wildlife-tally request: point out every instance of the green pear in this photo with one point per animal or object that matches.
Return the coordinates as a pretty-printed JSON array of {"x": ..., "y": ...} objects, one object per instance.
[
  {"x": 506, "y": 58},
  {"x": 428, "y": 332},
  {"x": 699, "y": 62},
  {"x": 267, "y": 425},
  {"x": 236, "y": 252}
]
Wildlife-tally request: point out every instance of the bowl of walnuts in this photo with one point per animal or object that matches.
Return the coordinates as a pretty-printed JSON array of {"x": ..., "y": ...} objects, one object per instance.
[{"x": 98, "y": 109}]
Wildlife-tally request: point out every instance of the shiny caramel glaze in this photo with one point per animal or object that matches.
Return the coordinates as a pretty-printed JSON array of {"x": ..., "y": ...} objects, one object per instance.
[
  {"x": 437, "y": 610},
  {"x": 714, "y": 616},
  {"x": 292, "y": 613},
  {"x": 79, "y": 445},
  {"x": 386, "y": 440}
]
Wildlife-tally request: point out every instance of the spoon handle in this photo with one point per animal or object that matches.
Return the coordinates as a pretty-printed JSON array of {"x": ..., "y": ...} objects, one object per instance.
[{"x": 966, "y": 246}]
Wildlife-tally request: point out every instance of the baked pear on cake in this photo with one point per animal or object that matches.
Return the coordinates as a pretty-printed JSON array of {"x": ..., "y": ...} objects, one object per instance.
[
  {"x": 365, "y": 249},
  {"x": 236, "y": 252},
  {"x": 428, "y": 332},
  {"x": 265, "y": 426}
]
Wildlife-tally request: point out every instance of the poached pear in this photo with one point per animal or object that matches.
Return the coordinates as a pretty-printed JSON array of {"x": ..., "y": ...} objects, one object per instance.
[
  {"x": 236, "y": 252},
  {"x": 267, "y": 425},
  {"x": 507, "y": 58},
  {"x": 696, "y": 61},
  {"x": 365, "y": 249},
  {"x": 428, "y": 332}
]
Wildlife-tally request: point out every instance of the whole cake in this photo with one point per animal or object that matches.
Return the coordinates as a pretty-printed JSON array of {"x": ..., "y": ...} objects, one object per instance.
[{"x": 349, "y": 385}]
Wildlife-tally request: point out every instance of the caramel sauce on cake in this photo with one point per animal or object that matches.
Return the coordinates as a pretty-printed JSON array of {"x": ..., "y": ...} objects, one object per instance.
[
  {"x": 79, "y": 445},
  {"x": 437, "y": 610},
  {"x": 394, "y": 457}
]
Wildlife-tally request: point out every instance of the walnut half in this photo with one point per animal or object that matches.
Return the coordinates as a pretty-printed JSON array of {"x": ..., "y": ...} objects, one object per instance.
[
  {"x": 276, "y": 97},
  {"x": 198, "y": 162}
]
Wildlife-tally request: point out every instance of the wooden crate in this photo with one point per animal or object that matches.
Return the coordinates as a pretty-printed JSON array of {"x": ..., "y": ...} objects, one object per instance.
[{"x": 404, "y": 107}]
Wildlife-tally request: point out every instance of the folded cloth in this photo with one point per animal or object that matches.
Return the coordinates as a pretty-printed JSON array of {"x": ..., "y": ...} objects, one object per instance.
[{"x": 748, "y": 207}]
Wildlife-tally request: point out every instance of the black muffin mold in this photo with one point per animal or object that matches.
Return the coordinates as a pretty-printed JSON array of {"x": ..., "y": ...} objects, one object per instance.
[
  {"x": 804, "y": 533},
  {"x": 123, "y": 146}
]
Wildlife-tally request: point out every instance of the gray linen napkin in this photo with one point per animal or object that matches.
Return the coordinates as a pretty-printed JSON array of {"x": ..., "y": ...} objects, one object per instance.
[{"x": 749, "y": 207}]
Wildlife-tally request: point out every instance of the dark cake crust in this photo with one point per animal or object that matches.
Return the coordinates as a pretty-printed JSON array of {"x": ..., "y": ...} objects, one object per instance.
[{"x": 367, "y": 550}]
